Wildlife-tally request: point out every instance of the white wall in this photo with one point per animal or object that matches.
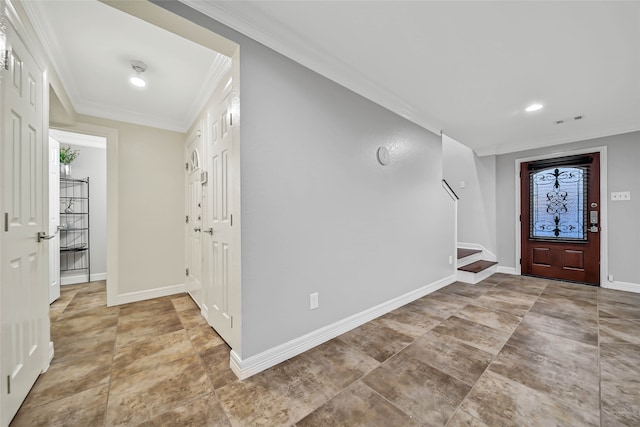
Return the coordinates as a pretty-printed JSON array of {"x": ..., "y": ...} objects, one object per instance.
[
  {"x": 623, "y": 155},
  {"x": 477, "y": 204},
  {"x": 319, "y": 214},
  {"x": 92, "y": 163}
]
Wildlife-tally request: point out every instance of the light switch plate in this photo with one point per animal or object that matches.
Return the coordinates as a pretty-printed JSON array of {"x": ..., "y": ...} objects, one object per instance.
[
  {"x": 313, "y": 301},
  {"x": 621, "y": 195}
]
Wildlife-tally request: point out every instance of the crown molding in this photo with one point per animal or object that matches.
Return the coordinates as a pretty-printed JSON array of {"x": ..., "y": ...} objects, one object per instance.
[
  {"x": 277, "y": 36},
  {"x": 54, "y": 50},
  {"x": 219, "y": 68}
]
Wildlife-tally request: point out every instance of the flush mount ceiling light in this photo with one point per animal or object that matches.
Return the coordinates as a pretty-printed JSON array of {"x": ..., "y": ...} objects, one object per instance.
[
  {"x": 137, "y": 80},
  {"x": 533, "y": 107}
]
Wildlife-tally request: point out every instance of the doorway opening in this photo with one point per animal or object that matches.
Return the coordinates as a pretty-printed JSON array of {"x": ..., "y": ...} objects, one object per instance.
[{"x": 78, "y": 206}]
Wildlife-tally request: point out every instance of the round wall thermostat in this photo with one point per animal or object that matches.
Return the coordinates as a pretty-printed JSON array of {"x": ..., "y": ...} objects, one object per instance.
[{"x": 383, "y": 155}]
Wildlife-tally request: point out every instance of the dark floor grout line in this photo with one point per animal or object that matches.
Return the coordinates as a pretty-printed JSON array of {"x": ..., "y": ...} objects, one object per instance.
[{"x": 491, "y": 361}]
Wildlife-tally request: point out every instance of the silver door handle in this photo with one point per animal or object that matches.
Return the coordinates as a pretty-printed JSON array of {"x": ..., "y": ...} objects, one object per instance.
[
  {"x": 43, "y": 236},
  {"x": 210, "y": 231},
  {"x": 197, "y": 229}
]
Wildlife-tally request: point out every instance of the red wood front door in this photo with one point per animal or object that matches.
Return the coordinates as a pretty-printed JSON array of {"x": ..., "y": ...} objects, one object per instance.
[{"x": 560, "y": 218}]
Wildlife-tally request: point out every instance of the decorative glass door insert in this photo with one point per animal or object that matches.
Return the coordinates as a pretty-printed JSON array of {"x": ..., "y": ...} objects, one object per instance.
[{"x": 558, "y": 204}]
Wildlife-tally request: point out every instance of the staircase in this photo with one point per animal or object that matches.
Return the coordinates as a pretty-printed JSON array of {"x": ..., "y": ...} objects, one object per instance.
[{"x": 473, "y": 267}]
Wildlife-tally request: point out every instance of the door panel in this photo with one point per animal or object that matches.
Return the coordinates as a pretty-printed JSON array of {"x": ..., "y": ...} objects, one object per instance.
[
  {"x": 560, "y": 212},
  {"x": 24, "y": 259},
  {"x": 219, "y": 221},
  {"x": 194, "y": 212}
]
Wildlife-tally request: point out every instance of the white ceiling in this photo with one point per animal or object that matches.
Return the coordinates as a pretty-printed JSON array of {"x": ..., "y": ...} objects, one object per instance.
[
  {"x": 467, "y": 68},
  {"x": 92, "y": 46}
]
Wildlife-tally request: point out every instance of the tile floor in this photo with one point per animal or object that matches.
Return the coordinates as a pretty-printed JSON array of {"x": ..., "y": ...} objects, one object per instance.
[{"x": 507, "y": 351}]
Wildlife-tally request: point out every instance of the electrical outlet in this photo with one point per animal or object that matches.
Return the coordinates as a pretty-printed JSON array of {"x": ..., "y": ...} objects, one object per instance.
[
  {"x": 450, "y": 260},
  {"x": 313, "y": 301},
  {"x": 621, "y": 195},
  {"x": 610, "y": 277},
  {"x": 463, "y": 184}
]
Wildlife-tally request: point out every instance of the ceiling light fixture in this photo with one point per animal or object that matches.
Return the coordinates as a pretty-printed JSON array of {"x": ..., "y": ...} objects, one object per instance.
[
  {"x": 533, "y": 107},
  {"x": 137, "y": 80}
]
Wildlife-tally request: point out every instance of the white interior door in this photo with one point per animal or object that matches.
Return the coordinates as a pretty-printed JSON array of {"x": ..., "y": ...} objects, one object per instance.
[
  {"x": 219, "y": 219},
  {"x": 54, "y": 220},
  {"x": 194, "y": 217},
  {"x": 24, "y": 307}
]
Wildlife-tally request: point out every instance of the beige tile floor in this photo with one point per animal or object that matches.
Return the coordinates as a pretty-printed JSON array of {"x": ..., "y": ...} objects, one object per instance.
[{"x": 507, "y": 351}]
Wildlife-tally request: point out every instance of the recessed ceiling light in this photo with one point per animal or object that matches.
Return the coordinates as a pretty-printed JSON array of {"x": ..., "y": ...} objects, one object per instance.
[
  {"x": 137, "y": 80},
  {"x": 533, "y": 107}
]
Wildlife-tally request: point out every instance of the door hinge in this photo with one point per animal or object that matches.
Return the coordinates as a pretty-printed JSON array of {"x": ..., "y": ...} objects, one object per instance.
[
  {"x": 520, "y": 218},
  {"x": 186, "y": 166},
  {"x": 231, "y": 220},
  {"x": 232, "y": 322},
  {"x": 520, "y": 261},
  {"x": 186, "y": 219},
  {"x": 8, "y": 384},
  {"x": 6, "y": 59},
  {"x": 6, "y": 221},
  {"x": 186, "y": 272},
  {"x": 230, "y": 119}
]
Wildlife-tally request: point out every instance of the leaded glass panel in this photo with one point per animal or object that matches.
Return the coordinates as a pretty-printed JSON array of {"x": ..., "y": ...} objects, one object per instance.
[{"x": 558, "y": 204}]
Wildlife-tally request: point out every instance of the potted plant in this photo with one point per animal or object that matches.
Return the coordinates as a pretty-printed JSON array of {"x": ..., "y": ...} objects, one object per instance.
[{"x": 67, "y": 155}]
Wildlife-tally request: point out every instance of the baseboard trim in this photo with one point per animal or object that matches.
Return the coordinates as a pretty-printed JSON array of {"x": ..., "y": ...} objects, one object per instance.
[
  {"x": 150, "y": 294},
  {"x": 51, "y": 354},
  {"x": 73, "y": 280},
  {"x": 506, "y": 270},
  {"x": 623, "y": 286},
  {"x": 204, "y": 312},
  {"x": 244, "y": 368},
  {"x": 98, "y": 276}
]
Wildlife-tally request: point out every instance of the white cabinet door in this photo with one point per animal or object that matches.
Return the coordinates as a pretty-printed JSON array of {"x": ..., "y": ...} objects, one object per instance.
[{"x": 24, "y": 259}]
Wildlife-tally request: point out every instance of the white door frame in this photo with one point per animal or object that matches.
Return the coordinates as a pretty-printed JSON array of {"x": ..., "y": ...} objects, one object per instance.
[
  {"x": 604, "y": 225},
  {"x": 111, "y": 136},
  {"x": 54, "y": 218}
]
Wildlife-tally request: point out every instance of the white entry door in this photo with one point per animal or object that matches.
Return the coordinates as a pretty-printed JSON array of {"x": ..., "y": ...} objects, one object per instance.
[
  {"x": 194, "y": 217},
  {"x": 24, "y": 308},
  {"x": 219, "y": 219},
  {"x": 54, "y": 220}
]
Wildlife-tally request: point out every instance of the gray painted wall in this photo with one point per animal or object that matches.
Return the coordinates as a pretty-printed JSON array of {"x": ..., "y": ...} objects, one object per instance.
[
  {"x": 319, "y": 214},
  {"x": 477, "y": 204},
  {"x": 623, "y": 161}
]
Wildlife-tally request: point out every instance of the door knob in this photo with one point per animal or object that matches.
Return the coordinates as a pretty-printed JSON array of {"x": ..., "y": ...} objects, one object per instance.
[
  {"x": 197, "y": 229},
  {"x": 210, "y": 231}
]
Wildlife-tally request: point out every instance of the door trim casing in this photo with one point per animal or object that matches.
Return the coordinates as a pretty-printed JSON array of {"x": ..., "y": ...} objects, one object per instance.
[
  {"x": 111, "y": 135},
  {"x": 604, "y": 250}
]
